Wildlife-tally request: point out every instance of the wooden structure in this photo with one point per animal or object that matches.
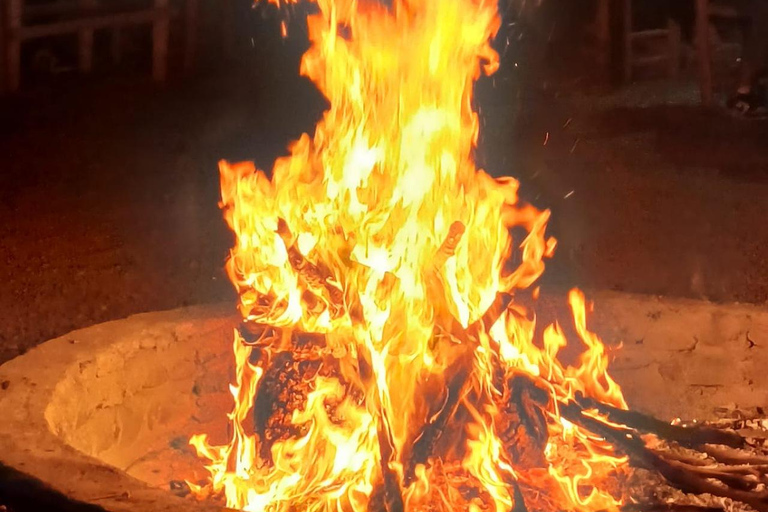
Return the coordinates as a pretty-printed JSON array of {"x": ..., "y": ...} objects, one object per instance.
[
  {"x": 84, "y": 17},
  {"x": 665, "y": 43},
  {"x": 706, "y": 10}
]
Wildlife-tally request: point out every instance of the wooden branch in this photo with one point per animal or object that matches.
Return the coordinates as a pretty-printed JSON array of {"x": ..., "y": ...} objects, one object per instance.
[
  {"x": 68, "y": 9},
  {"x": 707, "y": 464},
  {"x": 686, "y": 436},
  {"x": 318, "y": 279},
  {"x": 160, "y": 37},
  {"x": 12, "y": 41},
  {"x": 668, "y": 507},
  {"x": 738, "y": 478},
  {"x": 500, "y": 304},
  {"x": 686, "y": 477},
  {"x": 730, "y": 456}
]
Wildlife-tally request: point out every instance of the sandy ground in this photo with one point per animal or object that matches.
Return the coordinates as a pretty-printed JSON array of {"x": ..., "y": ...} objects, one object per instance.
[{"x": 108, "y": 192}]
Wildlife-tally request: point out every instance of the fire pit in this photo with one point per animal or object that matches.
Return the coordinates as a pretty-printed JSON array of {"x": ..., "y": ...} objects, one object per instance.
[{"x": 103, "y": 414}]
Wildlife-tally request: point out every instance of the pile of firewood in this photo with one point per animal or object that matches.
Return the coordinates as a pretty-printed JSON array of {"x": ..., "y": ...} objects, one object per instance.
[{"x": 718, "y": 460}]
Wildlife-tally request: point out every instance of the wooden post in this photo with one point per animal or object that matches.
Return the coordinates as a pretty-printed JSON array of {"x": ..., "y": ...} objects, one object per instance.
[
  {"x": 603, "y": 30},
  {"x": 3, "y": 39},
  {"x": 85, "y": 42},
  {"x": 675, "y": 39},
  {"x": 160, "y": 30},
  {"x": 703, "y": 50},
  {"x": 228, "y": 27},
  {"x": 190, "y": 33},
  {"x": 13, "y": 46},
  {"x": 627, "y": 38},
  {"x": 117, "y": 45}
]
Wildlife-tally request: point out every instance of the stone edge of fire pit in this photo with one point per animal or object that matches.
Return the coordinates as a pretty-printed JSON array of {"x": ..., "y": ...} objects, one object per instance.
[
  {"x": 683, "y": 357},
  {"x": 27, "y": 444},
  {"x": 671, "y": 348}
]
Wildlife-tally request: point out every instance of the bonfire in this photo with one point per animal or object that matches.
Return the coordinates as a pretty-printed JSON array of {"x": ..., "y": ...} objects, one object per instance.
[{"x": 384, "y": 361}]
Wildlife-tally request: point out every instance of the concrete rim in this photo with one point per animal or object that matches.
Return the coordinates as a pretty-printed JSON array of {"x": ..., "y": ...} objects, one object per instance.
[
  {"x": 27, "y": 443},
  {"x": 656, "y": 355}
]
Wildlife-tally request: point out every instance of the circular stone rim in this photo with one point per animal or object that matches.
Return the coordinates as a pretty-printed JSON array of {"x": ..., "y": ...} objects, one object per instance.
[
  {"x": 27, "y": 444},
  {"x": 650, "y": 326}
]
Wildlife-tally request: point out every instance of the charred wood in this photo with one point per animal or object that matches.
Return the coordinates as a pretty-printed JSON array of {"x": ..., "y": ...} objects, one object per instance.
[
  {"x": 518, "y": 497},
  {"x": 523, "y": 425},
  {"x": 424, "y": 443},
  {"x": 668, "y": 507},
  {"x": 731, "y": 456},
  {"x": 283, "y": 389},
  {"x": 291, "y": 360},
  {"x": 393, "y": 498},
  {"x": 687, "y": 478}
]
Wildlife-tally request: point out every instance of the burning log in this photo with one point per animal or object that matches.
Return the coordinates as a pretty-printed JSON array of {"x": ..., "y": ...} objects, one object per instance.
[
  {"x": 424, "y": 443},
  {"x": 318, "y": 279},
  {"x": 294, "y": 358},
  {"x": 688, "y": 478},
  {"x": 523, "y": 426},
  {"x": 719, "y": 468},
  {"x": 448, "y": 248},
  {"x": 686, "y": 436},
  {"x": 393, "y": 499},
  {"x": 284, "y": 390},
  {"x": 290, "y": 359},
  {"x": 262, "y": 336}
]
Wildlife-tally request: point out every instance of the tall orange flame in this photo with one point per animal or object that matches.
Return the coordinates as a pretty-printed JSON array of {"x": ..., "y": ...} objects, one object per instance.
[{"x": 380, "y": 236}]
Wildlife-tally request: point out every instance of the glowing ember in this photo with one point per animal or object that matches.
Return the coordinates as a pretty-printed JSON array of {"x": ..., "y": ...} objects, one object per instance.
[{"x": 371, "y": 277}]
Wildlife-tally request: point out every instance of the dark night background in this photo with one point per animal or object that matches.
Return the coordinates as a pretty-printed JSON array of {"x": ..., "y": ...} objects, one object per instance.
[{"x": 109, "y": 183}]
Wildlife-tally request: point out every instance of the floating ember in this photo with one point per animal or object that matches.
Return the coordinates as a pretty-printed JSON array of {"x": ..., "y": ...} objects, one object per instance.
[{"x": 382, "y": 363}]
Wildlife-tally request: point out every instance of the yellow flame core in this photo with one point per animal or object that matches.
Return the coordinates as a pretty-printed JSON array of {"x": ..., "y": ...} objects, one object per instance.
[{"x": 380, "y": 234}]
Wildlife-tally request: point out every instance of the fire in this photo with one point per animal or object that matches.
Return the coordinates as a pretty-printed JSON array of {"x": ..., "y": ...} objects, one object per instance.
[{"x": 372, "y": 266}]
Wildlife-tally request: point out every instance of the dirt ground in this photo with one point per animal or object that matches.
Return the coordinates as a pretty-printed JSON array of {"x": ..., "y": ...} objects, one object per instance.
[{"x": 108, "y": 190}]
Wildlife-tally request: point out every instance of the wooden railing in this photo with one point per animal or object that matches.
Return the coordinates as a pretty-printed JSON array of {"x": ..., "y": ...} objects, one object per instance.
[
  {"x": 20, "y": 22},
  {"x": 706, "y": 11}
]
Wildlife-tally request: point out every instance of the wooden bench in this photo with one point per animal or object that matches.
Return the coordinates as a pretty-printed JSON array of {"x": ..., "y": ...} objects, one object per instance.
[{"x": 83, "y": 17}]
